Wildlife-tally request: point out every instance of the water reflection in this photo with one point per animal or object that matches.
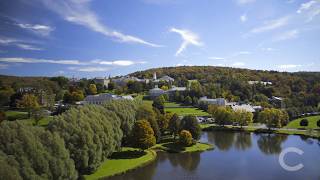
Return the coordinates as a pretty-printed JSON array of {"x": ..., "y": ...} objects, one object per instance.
[
  {"x": 243, "y": 141},
  {"x": 270, "y": 144},
  {"x": 222, "y": 140},
  {"x": 187, "y": 161}
]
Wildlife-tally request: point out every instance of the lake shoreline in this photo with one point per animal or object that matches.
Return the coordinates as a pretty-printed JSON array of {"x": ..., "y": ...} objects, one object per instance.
[{"x": 297, "y": 132}]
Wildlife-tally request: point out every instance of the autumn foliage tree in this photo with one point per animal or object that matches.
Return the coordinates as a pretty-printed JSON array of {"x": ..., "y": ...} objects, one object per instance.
[
  {"x": 92, "y": 89},
  {"x": 185, "y": 138},
  {"x": 143, "y": 135},
  {"x": 174, "y": 125},
  {"x": 29, "y": 102},
  {"x": 147, "y": 113}
]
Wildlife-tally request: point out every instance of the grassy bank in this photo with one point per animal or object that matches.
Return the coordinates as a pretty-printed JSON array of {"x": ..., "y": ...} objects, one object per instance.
[
  {"x": 174, "y": 147},
  {"x": 309, "y": 132},
  {"x": 312, "y": 123},
  {"x": 183, "y": 111},
  {"x": 121, "y": 162}
]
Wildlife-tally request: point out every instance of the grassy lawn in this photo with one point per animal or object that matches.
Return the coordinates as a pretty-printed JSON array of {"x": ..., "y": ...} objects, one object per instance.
[
  {"x": 43, "y": 122},
  {"x": 175, "y": 147},
  {"x": 14, "y": 115},
  {"x": 127, "y": 159},
  {"x": 171, "y": 104},
  {"x": 23, "y": 117},
  {"x": 312, "y": 123},
  {"x": 187, "y": 111}
]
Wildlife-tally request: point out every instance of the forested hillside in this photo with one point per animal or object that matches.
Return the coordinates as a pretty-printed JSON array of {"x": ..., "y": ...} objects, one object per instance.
[{"x": 300, "y": 89}]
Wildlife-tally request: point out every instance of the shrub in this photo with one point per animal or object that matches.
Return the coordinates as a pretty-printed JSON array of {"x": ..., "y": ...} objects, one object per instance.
[
  {"x": 304, "y": 122},
  {"x": 185, "y": 138},
  {"x": 318, "y": 123}
]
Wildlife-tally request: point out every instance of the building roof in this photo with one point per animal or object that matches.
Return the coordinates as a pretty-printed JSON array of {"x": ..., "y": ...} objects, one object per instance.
[
  {"x": 166, "y": 78},
  {"x": 174, "y": 88},
  {"x": 245, "y": 107}
]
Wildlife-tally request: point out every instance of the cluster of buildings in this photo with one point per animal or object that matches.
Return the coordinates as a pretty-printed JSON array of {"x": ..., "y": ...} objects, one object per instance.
[
  {"x": 260, "y": 82},
  {"x": 234, "y": 105}
]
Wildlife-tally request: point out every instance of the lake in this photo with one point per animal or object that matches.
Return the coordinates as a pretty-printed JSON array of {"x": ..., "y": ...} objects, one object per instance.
[{"x": 238, "y": 156}]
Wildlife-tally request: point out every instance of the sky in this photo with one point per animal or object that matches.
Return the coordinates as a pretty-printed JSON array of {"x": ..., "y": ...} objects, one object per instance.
[{"x": 95, "y": 38}]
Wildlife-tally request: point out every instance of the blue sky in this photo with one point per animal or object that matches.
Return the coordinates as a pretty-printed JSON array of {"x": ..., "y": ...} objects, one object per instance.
[{"x": 88, "y": 38}]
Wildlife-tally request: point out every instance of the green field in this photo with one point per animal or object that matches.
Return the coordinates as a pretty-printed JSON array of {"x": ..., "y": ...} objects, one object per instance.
[
  {"x": 14, "y": 115},
  {"x": 171, "y": 104},
  {"x": 23, "y": 117},
  {"x": 127, "y": 159},
  {"x": 311, "y": 125},
  {"x": 43, "y": 122},
  {"x": 187, "y": 111}
]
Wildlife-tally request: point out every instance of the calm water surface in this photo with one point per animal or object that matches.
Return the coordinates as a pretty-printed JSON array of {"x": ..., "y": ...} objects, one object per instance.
[{"x": 236, "y": 156}]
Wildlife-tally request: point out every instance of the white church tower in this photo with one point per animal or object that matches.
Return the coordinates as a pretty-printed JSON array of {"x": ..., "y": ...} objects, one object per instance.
[{"x": 154, "y": 76}]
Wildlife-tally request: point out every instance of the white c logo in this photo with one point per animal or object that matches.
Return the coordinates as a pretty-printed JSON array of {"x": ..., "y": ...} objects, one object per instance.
[{"x": 284, "y": 165}]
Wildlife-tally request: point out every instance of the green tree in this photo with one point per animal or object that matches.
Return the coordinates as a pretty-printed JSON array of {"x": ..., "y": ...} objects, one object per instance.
[
  {"x": 222, "y": 115},
  {"x": 188, "y": 100},
  {"x": 304, "y": 122},
  {"x": 191, "y": 124},
  {"x": 162, "y": 121},
  {"x": 143, "y": 135},
  {"x": 2, "y": 116},
  {"x": 91, "y": 134},
  {"x": 159, "y": 103},
  {"x": 243, "y": 117},
  {"x": 37, "y": 115},
  {"x": 146, "y": 112},
  {"x": 92, "y": 89},
  {"x": 273, "y": 118},
  {"x": 29, "y": 102},
  {"x": 174, "y": 125},
  {"x": 126, "y": 111},
  {"x": 5, "y": 94},
  {"x": 185, "y": 138},
  {"x": 34, "y": 153}
]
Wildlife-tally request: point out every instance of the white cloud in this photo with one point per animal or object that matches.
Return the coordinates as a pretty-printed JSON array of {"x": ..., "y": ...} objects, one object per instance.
[
  {"x": 78, "y": 12},
  {"x": 238, "y": 64},
  {"x": 71, "y": 62},
  {"x": 119, "y": 62},
  {"x": 244, "y": 53},
  {"x": 28, "y": 47},
  {"x": 216, "y": 58},
  {"x": 32, "y": 60},
  {"x": 42, "y": 30},
  {"x": 306, "y": 6},
  {"x": 292, "y": 34},
  {"x": 288, "y": 66},
  {"x": 4, "y": 66},
  {"x": 89, "y": 69},
  {"x": 243, "y": 2},
  {"x": 271, "y": 25},
  {"x": 243, "y": 18},
  {"x": 268, "y": 49},
  {"x": 18, "y": 43},
  {"x": 189, "y": 38},
  {"x": 311, "y": 9}
]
